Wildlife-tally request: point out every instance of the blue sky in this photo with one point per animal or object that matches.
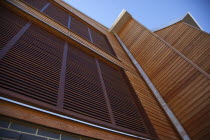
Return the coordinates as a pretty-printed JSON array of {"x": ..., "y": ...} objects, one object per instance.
[{"x": 151, "y": 13}]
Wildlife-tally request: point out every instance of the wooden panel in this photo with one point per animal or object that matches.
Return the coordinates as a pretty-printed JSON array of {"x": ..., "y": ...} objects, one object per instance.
[
  {"x": 84, "y": 17},
  {"x": 10, "y": 24},
  {"x": 155, "y": 113},
  {"x": 121, "y": 55},
  {"x": 193, "y": 43},
  {"x": 28, "y": 67},
  {"x": 125, "y": 111},
  {"x": 71, "y": 35},
  {"x": 162, "y": 125},
  {"x": 101, "y": 41},
  {"x": 183, "y": 86},
  {"x": 80, "y": 28},
  {"x": 83, "y": 90},
  {"x": 30, "y": 115},
  {"x": 31, "y": 70},
  {"x": 117, "y": 48}
]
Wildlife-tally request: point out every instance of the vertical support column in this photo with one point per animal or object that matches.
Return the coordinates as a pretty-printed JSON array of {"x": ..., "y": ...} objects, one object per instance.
[
  {"x": 69, "y": 22},
  {"x": 63, "y": 72},
  {"x": 45, "y": 7},
  {"x": 164, "y": 105},
  {"x": 9, "y": 45},
  {"x": 62, "y": 77},
  {"x": 105, "y": 93},
  {"x": 90, "y": 35}
]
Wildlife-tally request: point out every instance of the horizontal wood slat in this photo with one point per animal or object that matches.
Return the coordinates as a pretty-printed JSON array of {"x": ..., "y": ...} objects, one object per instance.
[
  {"x": 31, "y": 72},
  {"x": 76, "y": 25},
  {"x": 125, "y": 112},
  {"x": 161, "y": 125},
  {"x": 28, "y": 66},
  {"x": 37, "y": 4},
  {"x": 82, "y": 83},
  {"x": 101, "y": 41},
  {"x": 183, "y": 86},
  {"x": 10, "y": 24},
  {"x": 69, "y": 33},
  {"x": 79, "y": 27},
  {"x": 57, "y": 14}
]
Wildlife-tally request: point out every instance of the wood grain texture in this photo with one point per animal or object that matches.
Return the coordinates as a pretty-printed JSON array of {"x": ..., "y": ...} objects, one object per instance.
[
  {"x": 158, "y": 118},
  {"x": 193, "y": 43},
  {"x": 155, "y": 113},
  {"x": 29, "y": 115},
  {"x": 184, "y": 87},
  {"x": 65, "y": 31}
]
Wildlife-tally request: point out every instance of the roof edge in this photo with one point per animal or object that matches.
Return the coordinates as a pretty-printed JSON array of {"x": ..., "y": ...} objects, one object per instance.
[
  {"x": 195, "y": 24},
  {"x": 187, "y": 18},
  {"x": 120, "y": 21}
]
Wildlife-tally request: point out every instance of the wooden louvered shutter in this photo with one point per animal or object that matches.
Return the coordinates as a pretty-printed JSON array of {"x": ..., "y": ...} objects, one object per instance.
[
  {"x": 57, "y": 14},
  {"x": 38, "y": 4},
  {"x": 101, "y": 41},
  {"x": 80, "y": 28},
  {"x": 94, "y": 91},
  {"x": 32, "y": 67},
  {"x": 10, "y": 24},
  {"x": 126, "y": 114},
  {"x": 83, "y": 91}
]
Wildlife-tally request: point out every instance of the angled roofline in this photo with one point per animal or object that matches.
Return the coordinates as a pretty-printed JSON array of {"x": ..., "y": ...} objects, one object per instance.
[
  {"x": 182, "y": 18},
  {"x": 120, "y": 21},
  {"x": 195, "y": 21}
]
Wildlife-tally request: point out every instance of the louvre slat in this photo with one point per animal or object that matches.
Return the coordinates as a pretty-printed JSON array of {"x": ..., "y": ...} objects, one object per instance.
[
  {"x": 27, "y": 60},
  {"x": 10, "y": 24},
  {"x": 57, "y": 14},
  {"x": 83, "y": 80},
  {"x": 80, "y": 28},
  {"x": 39, "y": 4},
  {"x": 101, "y": 41},
  {"x": 32, "y": 69},
  {"x": 128, "y": 118}
]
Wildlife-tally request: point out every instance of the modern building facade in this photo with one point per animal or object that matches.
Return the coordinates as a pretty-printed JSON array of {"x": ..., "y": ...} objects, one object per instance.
[{"x": 66, "y": 76}]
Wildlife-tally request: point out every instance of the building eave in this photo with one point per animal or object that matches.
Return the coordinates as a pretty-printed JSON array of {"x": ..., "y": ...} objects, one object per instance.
[{"x": 121, "y": 20}]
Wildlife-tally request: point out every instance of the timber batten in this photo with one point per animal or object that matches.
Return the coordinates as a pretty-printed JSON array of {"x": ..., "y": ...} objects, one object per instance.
[
  {"x": 90, "y": 68},
  {"x": 171, "y": 72}
]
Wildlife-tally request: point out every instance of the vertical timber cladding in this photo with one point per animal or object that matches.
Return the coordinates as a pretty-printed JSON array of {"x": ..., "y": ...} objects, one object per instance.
[
  {"x": 184, "y": 88},
  {"x": 10, "y": 24},
  {"x": 190, "y": 41}
]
